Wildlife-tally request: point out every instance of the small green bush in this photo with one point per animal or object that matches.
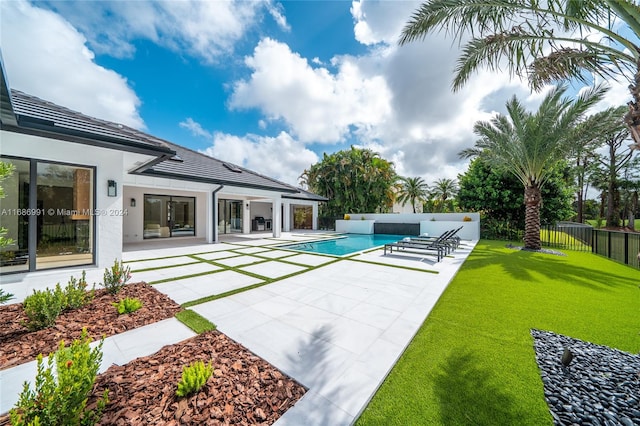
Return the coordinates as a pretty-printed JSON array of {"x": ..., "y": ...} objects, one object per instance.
[
  {"x": 43, "y": 307},
  {"x": 127, "y": 305},
  {"x": 61, "y": 398},
  {"x": 76, "y": 294},
  {"x": 4, "y": 296},
  {"x": 194, "y": 378},
  {"x": 116, "y": 277}
]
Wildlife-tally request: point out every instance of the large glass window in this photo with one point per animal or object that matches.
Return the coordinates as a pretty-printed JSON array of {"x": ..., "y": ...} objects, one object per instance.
[
  {"x": 14, "y": 218},
  {"x": 169, "y": 216},
  {"x": 229, "y": 216},
  {"x": 65, "y": 195},
  {"x": 47, "y": 213}
]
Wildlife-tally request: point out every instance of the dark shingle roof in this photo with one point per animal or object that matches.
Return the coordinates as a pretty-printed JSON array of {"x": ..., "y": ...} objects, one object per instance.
[
  {"x": 305, "y": 195},
  {"x": 196, "y": 166},
  {"x": 185, "y": 164},
  {"x": 38, "y": 114}
]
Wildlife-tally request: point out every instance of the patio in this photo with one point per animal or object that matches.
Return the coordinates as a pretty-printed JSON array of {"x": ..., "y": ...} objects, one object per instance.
[{"x": 337, "y": 325}]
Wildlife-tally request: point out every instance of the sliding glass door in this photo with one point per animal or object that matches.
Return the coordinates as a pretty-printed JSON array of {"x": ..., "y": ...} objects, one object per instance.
[
  {"x": 47, "y": 214},
  {"x": 229, "y": 216},
  {"x": 169, "y": 216}
]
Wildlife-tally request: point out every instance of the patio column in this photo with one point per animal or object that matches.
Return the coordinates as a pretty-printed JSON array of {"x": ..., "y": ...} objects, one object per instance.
[
  {"x": 210, "y": 225},
  {"x": 287, "y": 215},
  {"x": 277, "y": 221},
  {"x": 215, "y": 214},
  {"x": 314, "y": 215}
]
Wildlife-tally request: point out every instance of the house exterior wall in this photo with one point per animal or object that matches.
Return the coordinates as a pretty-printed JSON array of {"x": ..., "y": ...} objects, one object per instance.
[
  {"x": 133, "y": 221},
  {"x": 109, "y": 165}
]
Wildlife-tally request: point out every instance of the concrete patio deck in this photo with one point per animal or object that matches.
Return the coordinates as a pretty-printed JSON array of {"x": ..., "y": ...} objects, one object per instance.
[{"x": 336, "y": 325}]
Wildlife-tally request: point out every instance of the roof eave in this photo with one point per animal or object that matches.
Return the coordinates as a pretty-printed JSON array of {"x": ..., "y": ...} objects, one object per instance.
[
  {"x": 43, "y": 128},
  {"x": 155, "y": 173}
]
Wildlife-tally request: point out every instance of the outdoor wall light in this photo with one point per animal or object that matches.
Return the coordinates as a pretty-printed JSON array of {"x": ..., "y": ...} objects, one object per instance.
[
  {"x": 133, "y": 202},
  {"x": 112, "y": 188},
  {"x": 247, "y": 205}
]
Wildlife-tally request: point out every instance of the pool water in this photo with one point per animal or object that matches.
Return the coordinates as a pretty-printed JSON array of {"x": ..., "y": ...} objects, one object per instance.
[{"x": 351, "y": 243}]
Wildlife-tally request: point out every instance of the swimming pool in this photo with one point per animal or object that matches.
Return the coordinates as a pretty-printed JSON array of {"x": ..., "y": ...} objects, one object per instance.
[{"x": 351, "y": 243}]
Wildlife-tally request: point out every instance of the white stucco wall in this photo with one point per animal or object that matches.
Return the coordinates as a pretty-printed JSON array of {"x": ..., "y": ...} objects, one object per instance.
[
  {"x": 133, "y": 222},
  {"x": 109, "y": 166},
  {"x": 431, "y": 223}
]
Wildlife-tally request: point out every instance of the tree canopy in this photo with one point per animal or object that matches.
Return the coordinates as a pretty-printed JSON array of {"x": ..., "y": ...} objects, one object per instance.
[
  {"x": 355, "y": 181},
  {"x": 544, "y": 42},
  {"x": 498, "y": 194},
  {"x": 412, "y": 190},
  {"x": 530, "y": 144}
]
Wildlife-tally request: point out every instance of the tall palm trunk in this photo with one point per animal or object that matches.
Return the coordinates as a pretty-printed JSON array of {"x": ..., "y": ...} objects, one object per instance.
[
  {"x": 532, "y": 202},
  {"x": 632, "y": 118}
]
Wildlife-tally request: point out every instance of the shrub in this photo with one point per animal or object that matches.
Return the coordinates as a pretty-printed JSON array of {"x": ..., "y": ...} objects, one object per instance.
[
  {"x": 116, "y": 277},
  {"x": 363, "y": 218},
  {"x": 61, "y": 398},
  {"x": 43, "y": 307},
  {"x": 194, "y": 377},
  {"x": 347, "y": 217},
  {"x": 466, "y": 219},
  {"x": 76, "y": 294},
  {"x": 4, "y": 296},
  {"x": 127, "y": 305}
]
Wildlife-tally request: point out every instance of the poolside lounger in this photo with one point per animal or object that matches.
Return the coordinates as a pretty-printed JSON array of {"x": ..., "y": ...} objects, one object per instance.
[
  {"x": 447, "y": 238},
  {"x": 437, "y": 249}
]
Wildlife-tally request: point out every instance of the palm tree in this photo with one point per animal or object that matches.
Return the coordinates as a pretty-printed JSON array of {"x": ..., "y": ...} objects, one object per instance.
[
  {"x": 530, "y": 144},
  {"x": 443, "y": 190},
  {"x": 412, "y": 190},
  {"x": 545, "y": 42}
]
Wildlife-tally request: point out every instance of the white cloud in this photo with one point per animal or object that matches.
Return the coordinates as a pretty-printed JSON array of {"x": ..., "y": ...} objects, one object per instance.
[
  {"x": 380, "y": 21},
  {"x": 195, "y": 128},
  {"x": 46, "y": 57},
  {"x": 317, "y": 105},
  {"x": 204, "y": 29},
  {"x": 281, "y": 157}
]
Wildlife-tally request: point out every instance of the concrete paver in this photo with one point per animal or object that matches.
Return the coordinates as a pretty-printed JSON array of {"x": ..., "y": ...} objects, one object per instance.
[{"x": 338, "y": 329}]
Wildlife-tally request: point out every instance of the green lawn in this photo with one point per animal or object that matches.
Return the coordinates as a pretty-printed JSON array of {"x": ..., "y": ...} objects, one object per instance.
[
  {"x": 472, "y": 361},
  {"x": 594, "y": 223}
]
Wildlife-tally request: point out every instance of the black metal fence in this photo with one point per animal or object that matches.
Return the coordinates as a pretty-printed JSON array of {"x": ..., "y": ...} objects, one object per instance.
[{"x": 623, "y": 247}]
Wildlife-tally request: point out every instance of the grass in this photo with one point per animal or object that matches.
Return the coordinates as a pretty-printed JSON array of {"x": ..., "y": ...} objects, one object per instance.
[
  {"x": 195, "y": 321},
  {"x": 594, "y": 223},
  {"x": 472, "y": 361},
  {"x": 562, "y": 238}
]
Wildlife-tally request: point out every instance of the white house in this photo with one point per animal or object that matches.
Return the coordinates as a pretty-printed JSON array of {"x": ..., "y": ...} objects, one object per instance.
[{"x": 82, "y": 187}]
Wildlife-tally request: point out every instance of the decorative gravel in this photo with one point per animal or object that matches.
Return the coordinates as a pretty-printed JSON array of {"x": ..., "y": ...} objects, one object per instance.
[
  {"x": 601, "y": 386},
  {"x": 542, "y": 250}
]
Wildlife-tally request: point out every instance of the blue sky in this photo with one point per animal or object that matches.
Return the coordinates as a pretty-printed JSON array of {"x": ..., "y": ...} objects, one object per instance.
[{"x": 264, "y": 84}]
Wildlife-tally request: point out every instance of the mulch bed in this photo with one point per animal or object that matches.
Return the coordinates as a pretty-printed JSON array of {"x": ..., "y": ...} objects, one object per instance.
[
  {"x": 18, "y": 345},
  {"x": 244, "y": 389}
]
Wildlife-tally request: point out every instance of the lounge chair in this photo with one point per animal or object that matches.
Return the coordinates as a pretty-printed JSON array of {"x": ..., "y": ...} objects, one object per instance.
[
  {"x": 431, "y": 248},
  {"x": 448, "y": 238}
]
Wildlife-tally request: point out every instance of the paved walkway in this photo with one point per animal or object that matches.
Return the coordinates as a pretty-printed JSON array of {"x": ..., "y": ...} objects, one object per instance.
[{"x": 337, "y": 327}]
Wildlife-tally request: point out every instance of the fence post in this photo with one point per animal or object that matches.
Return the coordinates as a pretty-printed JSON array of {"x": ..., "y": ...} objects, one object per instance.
[{"x": 626, "y": 248}]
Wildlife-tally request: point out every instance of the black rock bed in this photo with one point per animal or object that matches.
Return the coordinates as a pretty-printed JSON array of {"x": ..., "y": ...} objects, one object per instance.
[{"x": 601, "y": 386}]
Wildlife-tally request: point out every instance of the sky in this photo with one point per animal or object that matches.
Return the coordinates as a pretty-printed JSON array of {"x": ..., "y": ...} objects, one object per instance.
[{"x": 267, "y": 85}]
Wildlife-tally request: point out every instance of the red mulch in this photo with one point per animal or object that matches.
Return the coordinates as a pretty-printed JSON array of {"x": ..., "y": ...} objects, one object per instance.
[
  {"x": 244, "y": 389},
  {"x": 18, "y": 345}
]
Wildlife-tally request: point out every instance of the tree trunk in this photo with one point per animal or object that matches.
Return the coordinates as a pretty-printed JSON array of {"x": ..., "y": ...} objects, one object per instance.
[
  {"x": 632, "y": 118},
  {"x": 632, "y": 213},
  {"x": 532, "y": 202}
]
